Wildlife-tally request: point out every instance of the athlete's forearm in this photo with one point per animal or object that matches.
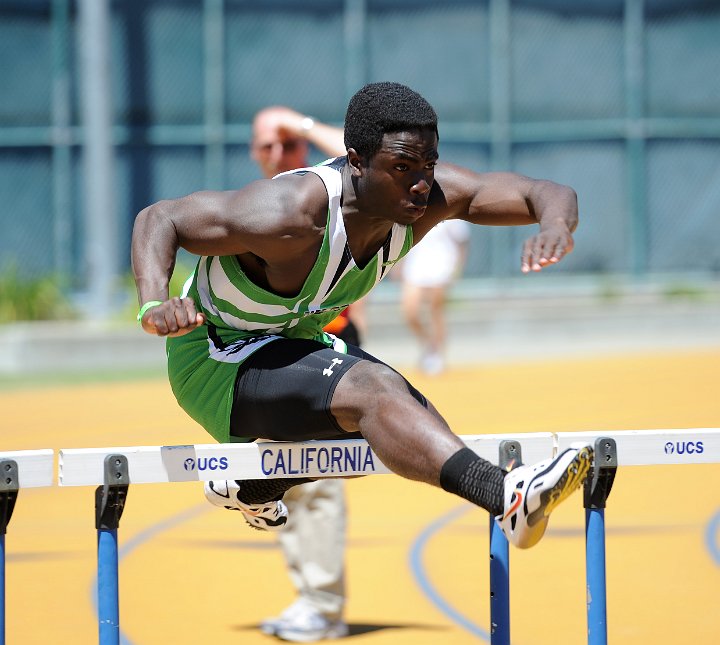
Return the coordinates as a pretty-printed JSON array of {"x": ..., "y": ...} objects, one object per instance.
[
  {"x": 153, "y": 253},
  {"x": 554, "y": 205}
]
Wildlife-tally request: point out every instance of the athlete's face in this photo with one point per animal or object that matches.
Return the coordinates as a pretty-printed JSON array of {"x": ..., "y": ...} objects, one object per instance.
[{"x": 395, "y": 183}]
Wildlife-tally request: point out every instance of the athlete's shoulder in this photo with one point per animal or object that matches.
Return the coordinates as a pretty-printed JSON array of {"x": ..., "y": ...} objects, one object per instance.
[
  {"x": 452, "y": 178},
  {"x": 453, "y": 190},
  {"x": 285, "y": 201}
]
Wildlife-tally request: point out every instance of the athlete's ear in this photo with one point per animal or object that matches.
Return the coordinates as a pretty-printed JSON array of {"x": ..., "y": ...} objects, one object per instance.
[{"x": 355, "y": 161}]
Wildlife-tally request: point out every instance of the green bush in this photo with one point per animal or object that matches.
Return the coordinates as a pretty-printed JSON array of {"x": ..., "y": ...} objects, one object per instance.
[
  {"x": 33, "y": 299},
  {"x": 45, "y": 298},
  {"x": 685, "y": 291}
]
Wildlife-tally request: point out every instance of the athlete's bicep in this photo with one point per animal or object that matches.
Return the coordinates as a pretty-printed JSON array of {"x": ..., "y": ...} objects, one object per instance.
[
  {"x": 485, "y": 198},
  {"x": 229, "y": 222}
]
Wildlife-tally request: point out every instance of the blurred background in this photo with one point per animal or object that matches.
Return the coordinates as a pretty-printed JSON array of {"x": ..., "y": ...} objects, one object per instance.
[{"x": 109, "y": 105}]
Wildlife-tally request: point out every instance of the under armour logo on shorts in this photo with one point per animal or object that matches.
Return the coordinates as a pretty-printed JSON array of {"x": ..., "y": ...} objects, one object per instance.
[{"x": 329, "y": 370}]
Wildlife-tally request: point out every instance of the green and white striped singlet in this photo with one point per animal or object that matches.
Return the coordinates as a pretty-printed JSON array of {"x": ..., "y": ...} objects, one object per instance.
[{"x": 242, "y": 317}]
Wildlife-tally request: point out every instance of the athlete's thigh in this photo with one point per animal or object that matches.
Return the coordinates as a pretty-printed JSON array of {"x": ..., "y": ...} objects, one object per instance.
[{"x": 283, "y": 391}]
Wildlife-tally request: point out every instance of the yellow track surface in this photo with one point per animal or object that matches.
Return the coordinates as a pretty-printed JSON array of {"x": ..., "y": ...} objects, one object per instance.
[{"x": 192, "y": 574}]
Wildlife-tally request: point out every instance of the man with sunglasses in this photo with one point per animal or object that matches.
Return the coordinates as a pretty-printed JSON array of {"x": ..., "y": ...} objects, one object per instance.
[{"x": 313, "y": 542}]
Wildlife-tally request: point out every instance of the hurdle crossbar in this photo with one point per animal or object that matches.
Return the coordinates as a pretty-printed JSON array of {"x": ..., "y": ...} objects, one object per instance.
[
  {"x": 349, "y": 458},
  {"x": 260, "y": 460},
  {"x": 654, "y": 447},
  {"x": 35, "y": 467}
]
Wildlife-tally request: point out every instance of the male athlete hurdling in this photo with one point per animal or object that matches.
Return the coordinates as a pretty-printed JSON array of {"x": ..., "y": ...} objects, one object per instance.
[{"x": 247, "y": 354}]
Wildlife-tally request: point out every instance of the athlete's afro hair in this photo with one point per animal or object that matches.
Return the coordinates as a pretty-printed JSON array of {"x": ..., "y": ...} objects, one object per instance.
[{"x": 380, "y": 108}]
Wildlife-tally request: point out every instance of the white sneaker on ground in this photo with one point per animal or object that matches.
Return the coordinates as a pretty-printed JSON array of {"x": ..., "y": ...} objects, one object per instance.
[
  {"x": 302, "y": 623},
  {"x": 269, "y": 516},
  {"x": 532, "y": 493},
  {"x": 432, "y": 363},
  {"x": 271, "y": 625}
]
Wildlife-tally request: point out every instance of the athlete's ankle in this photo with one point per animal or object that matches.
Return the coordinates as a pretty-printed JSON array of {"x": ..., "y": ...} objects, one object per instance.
[{"x": 475, "y": 479}]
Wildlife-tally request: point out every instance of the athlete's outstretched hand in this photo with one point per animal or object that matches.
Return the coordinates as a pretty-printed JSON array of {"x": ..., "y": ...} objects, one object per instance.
[
  {"x": 547, "y": 247},
  {"x": 174, "y": 317}
]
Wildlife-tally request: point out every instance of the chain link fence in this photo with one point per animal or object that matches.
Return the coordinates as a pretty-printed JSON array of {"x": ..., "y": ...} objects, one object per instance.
[{"x": 619, "y": 99}]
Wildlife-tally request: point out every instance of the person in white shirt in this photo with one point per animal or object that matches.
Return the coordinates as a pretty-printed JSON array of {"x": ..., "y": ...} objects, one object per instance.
[{"x": 428, "y": 271}]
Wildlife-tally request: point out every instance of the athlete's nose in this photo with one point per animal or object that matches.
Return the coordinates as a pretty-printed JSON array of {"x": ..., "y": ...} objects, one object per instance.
[{"x": 420, "y": 187}]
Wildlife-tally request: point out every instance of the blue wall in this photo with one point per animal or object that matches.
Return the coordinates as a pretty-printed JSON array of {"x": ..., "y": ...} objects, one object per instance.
[{"x": 620, "y": 99}]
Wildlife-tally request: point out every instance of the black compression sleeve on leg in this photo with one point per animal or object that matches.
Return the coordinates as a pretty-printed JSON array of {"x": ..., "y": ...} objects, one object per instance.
[
  {"x": 475, "y": 479},
  {"x": 259, "y": 491}
]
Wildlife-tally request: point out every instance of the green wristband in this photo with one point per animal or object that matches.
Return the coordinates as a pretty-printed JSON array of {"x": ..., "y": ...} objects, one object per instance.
[{"x": 148, "y": 305}]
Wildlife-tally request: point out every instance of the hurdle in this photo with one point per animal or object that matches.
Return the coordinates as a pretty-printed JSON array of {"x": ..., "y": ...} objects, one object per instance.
[
  {"x": 628, "y": 448},
  {"x": 114, "y": 469},
  {"x": 18, "y": 469}
]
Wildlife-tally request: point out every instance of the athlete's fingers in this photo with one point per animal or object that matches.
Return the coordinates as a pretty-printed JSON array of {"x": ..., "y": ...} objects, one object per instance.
[
  {"x": 173, "y": 317},
  {"x": 544, "y": 249},
  {"x": 562, "y": 246},
  {"x": 531, "y": 253},
  {"x": 187, "y": 317},
  {"x": 153, "y": 321},
  {"x": 181, "y": 314}
]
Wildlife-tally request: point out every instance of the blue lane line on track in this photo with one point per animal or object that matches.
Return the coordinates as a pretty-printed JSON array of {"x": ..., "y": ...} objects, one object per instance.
[
  {"x": 145, "y": 536},
  {"x": 423, "y": 581},
  {"x": 712, "y": 537}
]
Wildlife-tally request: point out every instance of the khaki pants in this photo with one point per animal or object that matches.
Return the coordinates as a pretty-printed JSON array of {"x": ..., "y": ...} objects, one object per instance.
[{"x": 313, "y": 543}]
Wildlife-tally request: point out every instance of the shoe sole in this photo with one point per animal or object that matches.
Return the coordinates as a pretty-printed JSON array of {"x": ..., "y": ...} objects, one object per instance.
[
  {"x": 293, "y": 636},
  {"x": 571, "y": 479},
  {"x": 270, "y": 525}
]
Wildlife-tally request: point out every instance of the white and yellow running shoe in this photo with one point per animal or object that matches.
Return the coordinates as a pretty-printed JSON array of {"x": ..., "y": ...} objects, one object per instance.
[
  {"x": 532, "y": 493},
  {"x": 269, "y": 516}
]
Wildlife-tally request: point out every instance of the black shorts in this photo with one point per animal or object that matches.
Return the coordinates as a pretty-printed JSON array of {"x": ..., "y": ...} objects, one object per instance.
[{"x": 284, "y": 390}]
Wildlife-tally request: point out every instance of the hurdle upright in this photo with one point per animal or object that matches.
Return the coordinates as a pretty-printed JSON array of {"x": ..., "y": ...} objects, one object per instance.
[
  {"x": 509, "y": 457},
  {"x": 595, "y": 494}
]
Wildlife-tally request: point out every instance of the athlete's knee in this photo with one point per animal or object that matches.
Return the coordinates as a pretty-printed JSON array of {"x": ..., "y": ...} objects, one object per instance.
[
  {"x": 368, "y": 386},
  {"x": 368, "y": 377}
]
